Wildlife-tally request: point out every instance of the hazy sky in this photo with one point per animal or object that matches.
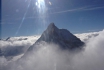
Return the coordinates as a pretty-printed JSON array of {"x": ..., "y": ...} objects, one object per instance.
[{"x": 31, "y": 17}]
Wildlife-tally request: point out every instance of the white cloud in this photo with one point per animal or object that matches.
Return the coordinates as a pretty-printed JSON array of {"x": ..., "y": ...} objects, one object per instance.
[
  {"x": 19, "y": 41},
  {"x": 50, "y": 57},
  {"x": 16, "y": 45},
  {"x": 93, "y": 55},
  {"x": 86, "y": 36}
]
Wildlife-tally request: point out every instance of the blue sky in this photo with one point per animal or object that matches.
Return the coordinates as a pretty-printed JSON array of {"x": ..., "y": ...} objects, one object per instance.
[{"x": 24, "y": 17}]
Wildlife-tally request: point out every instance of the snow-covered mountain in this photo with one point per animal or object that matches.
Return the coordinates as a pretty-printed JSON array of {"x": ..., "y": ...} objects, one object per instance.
[{"x": 61, "y": 37}]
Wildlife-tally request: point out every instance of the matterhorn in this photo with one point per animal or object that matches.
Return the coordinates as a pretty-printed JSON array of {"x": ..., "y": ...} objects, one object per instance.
[{"x": 61, "y": 37}]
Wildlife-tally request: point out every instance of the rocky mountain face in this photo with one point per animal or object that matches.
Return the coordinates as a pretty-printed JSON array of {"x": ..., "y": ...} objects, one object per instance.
[{"x": 61, "y": 37}]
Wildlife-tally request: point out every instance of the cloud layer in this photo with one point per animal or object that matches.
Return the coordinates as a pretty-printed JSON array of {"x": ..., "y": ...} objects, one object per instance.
[
  {"x": 16, "y": 45},
  {"x": 50, "y": 57}
]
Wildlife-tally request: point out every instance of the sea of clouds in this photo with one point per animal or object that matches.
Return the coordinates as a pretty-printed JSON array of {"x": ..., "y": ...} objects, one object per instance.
[{"x": 50, "y": 56}]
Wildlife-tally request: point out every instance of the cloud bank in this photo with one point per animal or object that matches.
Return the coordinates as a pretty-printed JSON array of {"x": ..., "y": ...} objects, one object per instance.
[
  {"x": 51, "y": 57},
  {"x": 14, "y": 46},
  {"x": 86, "y": 36}
]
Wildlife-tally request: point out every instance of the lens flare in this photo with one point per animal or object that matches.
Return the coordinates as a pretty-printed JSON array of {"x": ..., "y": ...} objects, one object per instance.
[
  {"x": 41, "y": 6},
  {"x": 42, "y": 11},
  {"x": 50, "y": 3}
]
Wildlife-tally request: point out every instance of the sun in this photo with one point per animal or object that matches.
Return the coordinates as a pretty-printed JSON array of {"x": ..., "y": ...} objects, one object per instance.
[
  {"x": 42, "y": 6},
  {"x": 40, "y": 3}
]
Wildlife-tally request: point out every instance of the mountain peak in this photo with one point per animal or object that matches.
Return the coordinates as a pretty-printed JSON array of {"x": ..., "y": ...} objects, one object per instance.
[
  {"x": 52, "y": 27},
  {"x": 51, "y": 24}
]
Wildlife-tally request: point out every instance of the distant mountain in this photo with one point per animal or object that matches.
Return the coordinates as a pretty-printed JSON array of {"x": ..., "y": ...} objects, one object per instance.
[
  {"x": 8, "y": 38},
  {"x": 15, "y": 38},
  {"x": 61, "y": 37}
]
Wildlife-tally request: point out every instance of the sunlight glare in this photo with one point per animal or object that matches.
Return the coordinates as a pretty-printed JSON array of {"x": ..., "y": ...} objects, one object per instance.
[
  {"x": 50, "y": 3},
  {"x": 40, "y": 3}
]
